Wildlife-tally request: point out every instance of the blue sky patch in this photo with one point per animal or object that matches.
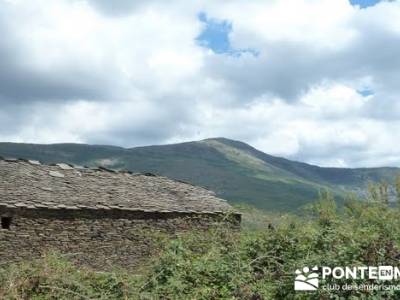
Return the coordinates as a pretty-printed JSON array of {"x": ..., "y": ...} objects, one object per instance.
[
  {"x": 364, "y": 3},
  {"x": 366, "y": 92},
  {"x": 215, "y": 36}
]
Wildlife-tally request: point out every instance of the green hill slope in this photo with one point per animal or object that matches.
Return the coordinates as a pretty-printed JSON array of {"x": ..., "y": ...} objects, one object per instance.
[{"x": 234, "y": 170}]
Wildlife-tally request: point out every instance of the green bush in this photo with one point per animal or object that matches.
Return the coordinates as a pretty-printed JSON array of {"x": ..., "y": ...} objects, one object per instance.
[
  {"x": 53, "y": 277},
  {"x": 260, "y": 264}
]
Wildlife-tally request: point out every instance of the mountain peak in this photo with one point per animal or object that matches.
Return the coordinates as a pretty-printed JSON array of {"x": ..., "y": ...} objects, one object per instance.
[{"x": 230, "y": 142}]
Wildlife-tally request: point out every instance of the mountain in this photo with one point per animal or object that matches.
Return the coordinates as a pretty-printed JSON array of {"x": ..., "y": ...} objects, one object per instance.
[{"x": 234, "y": 170}]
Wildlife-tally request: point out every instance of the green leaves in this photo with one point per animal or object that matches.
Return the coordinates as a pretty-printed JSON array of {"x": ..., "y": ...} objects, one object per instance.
[
  {"x": 53, "y": 277},
  {"x": 260, "y": 264}
]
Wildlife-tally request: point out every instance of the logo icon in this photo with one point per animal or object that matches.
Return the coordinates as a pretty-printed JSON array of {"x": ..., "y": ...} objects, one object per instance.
[{"x": 306, "y": 280}]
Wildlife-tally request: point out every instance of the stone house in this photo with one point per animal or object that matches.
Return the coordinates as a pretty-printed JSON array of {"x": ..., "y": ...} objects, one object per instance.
[{"x": 99, "y": 217}]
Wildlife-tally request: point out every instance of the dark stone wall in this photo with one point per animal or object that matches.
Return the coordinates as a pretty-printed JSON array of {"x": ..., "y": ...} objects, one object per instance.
[{"x": 101, "y": 239}]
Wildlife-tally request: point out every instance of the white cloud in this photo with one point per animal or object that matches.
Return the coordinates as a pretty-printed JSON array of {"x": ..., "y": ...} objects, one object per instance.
[
  {"x": 320, "y": 24},
  {"x": 83, "y": 71},
  {"x": 334, "y": 101}
]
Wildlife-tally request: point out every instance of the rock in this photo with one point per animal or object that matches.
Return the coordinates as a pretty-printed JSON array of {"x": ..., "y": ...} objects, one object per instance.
[
  {"x": 56, "y": 174},
  {"x": 64, "y": 166}
]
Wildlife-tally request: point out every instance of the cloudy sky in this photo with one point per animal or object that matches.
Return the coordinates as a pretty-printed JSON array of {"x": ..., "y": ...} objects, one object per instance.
[{"x": 311, "y": 80}]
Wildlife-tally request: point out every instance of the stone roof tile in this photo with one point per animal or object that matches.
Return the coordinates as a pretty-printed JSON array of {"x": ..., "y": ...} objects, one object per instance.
[{"x": 61, "y": 186}]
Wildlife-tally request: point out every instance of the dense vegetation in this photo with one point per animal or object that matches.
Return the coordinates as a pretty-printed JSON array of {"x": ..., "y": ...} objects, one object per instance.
[
  {"x": 256, "y": 263},
  {"x": 234, "y": 170}
]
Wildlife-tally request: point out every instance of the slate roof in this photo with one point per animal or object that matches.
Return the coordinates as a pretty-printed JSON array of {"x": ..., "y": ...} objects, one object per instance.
[{"x": 33, "y": 185}]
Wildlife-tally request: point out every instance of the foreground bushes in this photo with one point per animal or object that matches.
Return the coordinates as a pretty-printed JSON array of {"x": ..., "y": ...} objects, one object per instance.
[
  {"x": 260, "y": 264},
  {"x": 53, "y": 277},
  {"x": 253, "y": 264}
]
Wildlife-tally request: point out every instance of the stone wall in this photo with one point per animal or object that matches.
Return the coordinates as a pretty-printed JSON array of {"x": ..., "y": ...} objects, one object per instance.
[{"x": 101, "y": 239}]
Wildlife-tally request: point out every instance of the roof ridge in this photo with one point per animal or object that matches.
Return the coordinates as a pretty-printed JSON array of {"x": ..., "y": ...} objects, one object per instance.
[{"x": 69, "y": 166}]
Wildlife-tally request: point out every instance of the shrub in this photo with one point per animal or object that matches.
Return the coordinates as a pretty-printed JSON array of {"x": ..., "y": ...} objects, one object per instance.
[
  {"x": 260, "y": 264},
  {"x": 53, "y": 277}
]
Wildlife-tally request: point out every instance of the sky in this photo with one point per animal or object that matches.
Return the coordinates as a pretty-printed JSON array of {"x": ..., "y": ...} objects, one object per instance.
[{"x": 310, "y": 80}]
